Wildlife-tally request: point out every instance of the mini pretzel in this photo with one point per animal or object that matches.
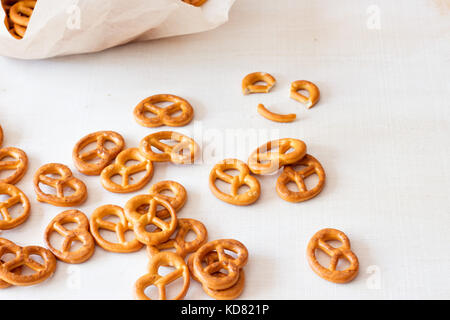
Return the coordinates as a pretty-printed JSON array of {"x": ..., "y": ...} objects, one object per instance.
[
  {"x": 179, "y": 243},
  {"x": 174, "y": 153},
  {"x": 275, "y": 116},
  {"x": 264, "y": 161},
  {"x": 314, "y": 93},
  {"x": 244, "y": 178},
  {"x": 4, "y": 284},
  {"x": 153, "y": 278},
  {"x": 141, "y": 220},
  {"x": 19, "y": 165},
  {"x": 120, "y": 168},
  {"x": 313, "y": 166},
  {"x": 249, "y": 83},
  {"x": 206, "y": 273},
  {"x": 10, "y": 26},
  {"x": 163, "y": 116},
  {"x": 177, "y": 201},
  {"x": 196, "y": 3},
  {"x": 97, "y": 222},
  {"x": 65, "y": 179},
  {"x": 21, "y": 12},
  {"x": 80, "y": 233},
  {"x": 104, "y": 155},
  {"x": 319, "y": 241},
  {"x": 227, "y": 294},
  {"x": 23, "y": 258},
  {"x": 16, "y": 197}
]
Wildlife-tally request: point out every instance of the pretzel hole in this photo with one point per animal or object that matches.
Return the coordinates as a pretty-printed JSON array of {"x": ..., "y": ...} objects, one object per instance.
[
  {"x": 131, "y": 162},
  {"x": 223, "y": 186},
  {"x": 232, "y": 172},
  {"x": 149, "y": 114},
  {"x": 334, "y": 243},
  {"x": 232, "y": 254},
  {"x": 163, "y": 104},
  {"x": 68, "y": 191},
  {"x": 152, "y": 228},
  {"x": 111, "y": 218},
  {"x": 243, "y": 189},
  {"x": 6, "y": 173},
  {"x": 152, "y": 292},
  {"x": 343, "y": 264},
  {"x": 4, "y": 197},
  {"x": 303, "y": 92},
  {"x": 260, "y": 83},
  {"x": 136, "y": 177},
  {"x": 7, "y": 158},
  {"x": 8, "y": 256},
  {"x": 15, "y": 211},
  {"x": 36, "y": 258},
  {"x": 190, "y": 236},
  {"x": 174, "y": 288},
  {"x": 167, "y": 193},
  {"x": 117, "y": 179},
  {"x": 292, "y": 186},
  {"x": 143, "y": 209},
  {"x": 75, "y": 246}
]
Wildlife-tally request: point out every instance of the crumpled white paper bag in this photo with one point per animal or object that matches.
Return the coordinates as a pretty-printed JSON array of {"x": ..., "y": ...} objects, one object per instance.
[{"x": 63, "y": 27}]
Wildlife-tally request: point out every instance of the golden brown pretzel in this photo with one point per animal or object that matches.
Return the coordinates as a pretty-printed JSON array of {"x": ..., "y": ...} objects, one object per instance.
[
  {"x": 314, "y": 93},
  {"x": 319, "y": 241},
  {"x": 179, "y": 243},
  {"x": 244, "y": 178},
  {"x": 177, "y": 201},
  {"x": 80, "y": 233},
  {"x": 196, "y": 3},
  {"x": 140, "y": 220},
  {"x": 64, "y": 179},
  {"x": 163, "y": 115},
  {"x": 10, "y": 26},
  {"x": 174, "y": 153},
  {"x": 16, "y": 197},
  {"x": 120, "y": 168},
  {"x": 1, "y": 136},
  {"x": 275, "y": 116},
  {"x": 206, "y": 273},
  {"x": 249, "y": 83},
  {"x": 104, "y": 155},
  {"x": 97, "y": 222},
  {"x": 19, "y": 164},
  {"x": 21, "y": 12},
  {"x": 153, "y": 278},
  {"x": 264, "y": 161},
  {"x": 4, "y": 284},
  {"x": 313, "y": 166},
  {"x": 23, "y": 257}
]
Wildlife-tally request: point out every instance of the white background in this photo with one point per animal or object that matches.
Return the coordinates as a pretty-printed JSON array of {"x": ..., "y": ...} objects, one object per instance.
[{"x": 381, "y": 131}]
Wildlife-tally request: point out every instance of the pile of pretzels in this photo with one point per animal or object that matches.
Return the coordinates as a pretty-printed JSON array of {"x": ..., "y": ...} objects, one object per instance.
[{"x": 18, "y": 14}]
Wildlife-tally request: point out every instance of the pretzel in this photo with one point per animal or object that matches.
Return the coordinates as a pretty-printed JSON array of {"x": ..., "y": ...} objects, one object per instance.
[
  {"x": 104, "y": 155},
  {"x": 196, "y": 3},
  {"x": 120, "y": 168},
  {"x": 275, "y": 116},
  {"x": 174, "y": 153},
  {"x": 141, "y": 220},
  {"x": 65, "y": 179},
  {"x": 227, "y": 294},
  {"x": 264, "y": 161},
  {"x": 19, "y": 165},
  {"x": 163, "y": 116},
  {"x": 233, "y": 266},
  {"x": 249, "y": 83},
  {"x": 177, "y": 201},
  {"x": 21, "y": 12},
  {"x": 4, "y": 284},
  {"x": 23, "y": 257},
  {"x": 16, "y": 197},
  {"x": 183, "y": 248},
  {"x": 314, "y": 93},
  {"x": 80, "y": 233},
  {"x": 244, "y": 178},
  {"x": 20, "y": 30},
  {"x": 1, "y": 136},
  {"x": 319, "y": 241},
  {"x": 97, "y": 222},
  {"x": 313, "y": 166},
  {"x": 153, "y": 278},
  {"x": 10, "y": 27}
]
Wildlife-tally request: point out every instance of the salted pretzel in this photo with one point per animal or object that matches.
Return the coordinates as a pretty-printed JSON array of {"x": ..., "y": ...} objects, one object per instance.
[
  {"x": 16, "y": 196},
  {"x": 174, "y": 153},
  {"x": 206, "y": 273},
  {"x": 265, "y": 161},
  {"x": 243, "y": 178},
  {"x": 177, "y": 201},
  {"x": 64, "y": 179},
  {"x": 319, "y": 241},
  {"x": 262, "y": 110},
  {"x": 101, "y": 153},
  {"x": 196, "y": 3},
  {"x": 153, "y": 278},
  {"x": 20, "y": 13},
  {"x": 23, "y": 258},
  {"x": 80, "y": 233},
  {"x": 4, "y": 284},
  {"x": 120, "y": 168},
  {"x": 179, "y": 243},
  {"x": 97, "y": 222},
  {"x": 249, "y": 83},
  {"x": 163, "y": 115},
  {"x": 19, "y": 164},
  {"x": 227, "y": 294},
  {"x": 313, "y": 90},
  {"x": 140, "y": 220},
  {"x": 312, "y": 166}
]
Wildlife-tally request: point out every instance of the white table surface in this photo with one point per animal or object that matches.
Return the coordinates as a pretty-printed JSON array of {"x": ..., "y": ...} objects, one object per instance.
[{"x": 381, "y": 131}]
